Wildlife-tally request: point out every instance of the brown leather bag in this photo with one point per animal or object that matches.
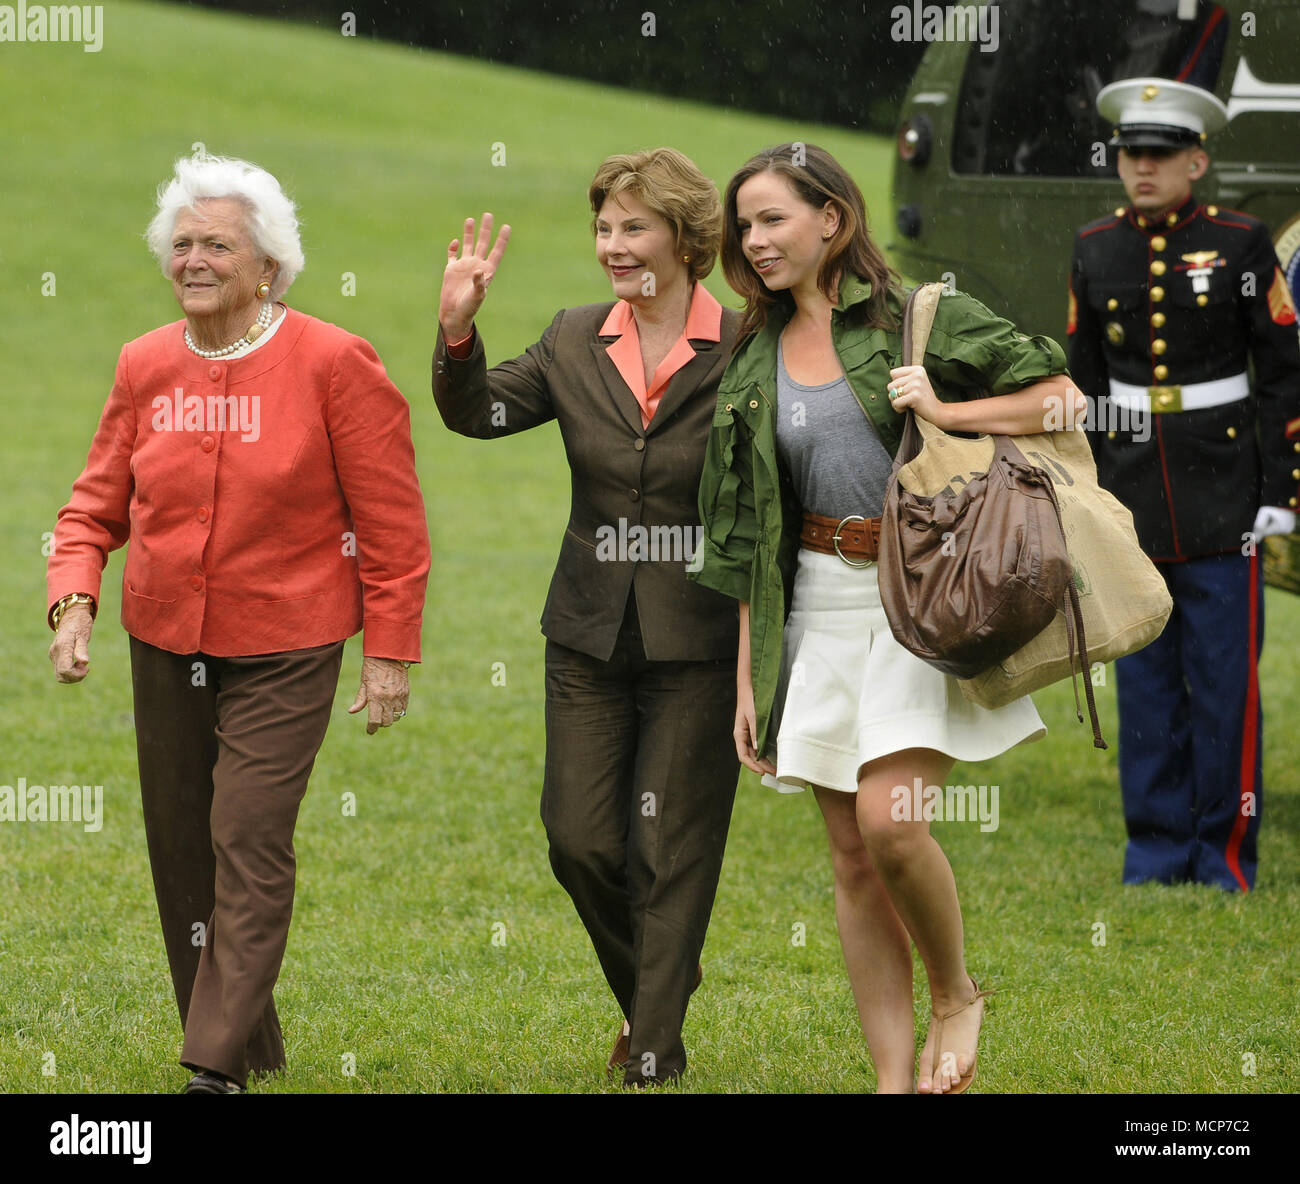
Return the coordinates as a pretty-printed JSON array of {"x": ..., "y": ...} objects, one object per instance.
[{"x": 972, "y": 572}]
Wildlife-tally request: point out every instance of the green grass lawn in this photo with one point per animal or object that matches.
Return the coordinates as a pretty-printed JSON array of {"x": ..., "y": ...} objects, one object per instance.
[{"x": 391, "y": 965}]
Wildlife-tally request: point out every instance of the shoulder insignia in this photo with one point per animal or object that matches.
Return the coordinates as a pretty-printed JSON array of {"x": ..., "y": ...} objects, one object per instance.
[{"x": 1280, "y": 307}]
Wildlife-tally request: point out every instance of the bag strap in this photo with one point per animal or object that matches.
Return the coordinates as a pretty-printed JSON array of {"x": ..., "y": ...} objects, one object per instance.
[{"x": 918, "y": 320}]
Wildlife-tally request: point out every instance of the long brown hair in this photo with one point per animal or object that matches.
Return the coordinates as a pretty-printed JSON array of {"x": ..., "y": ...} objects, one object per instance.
[{"x": 816, "y": 177}]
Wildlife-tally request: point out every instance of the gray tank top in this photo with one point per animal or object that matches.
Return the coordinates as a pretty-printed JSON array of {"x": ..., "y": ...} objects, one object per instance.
[{"x": 836, "y": 461}]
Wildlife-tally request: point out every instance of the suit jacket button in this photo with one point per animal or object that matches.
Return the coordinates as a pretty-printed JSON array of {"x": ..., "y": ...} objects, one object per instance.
[
  {"x": 634, "y": 494},
  {"x": 1232, "y": 433},
  {"x": 207, "y": 443},
  {"x": 1295, "y": 474},
  {"x": 203, "y": 514},
  {"x": 639, "y": 444},
  {"x": 196, "y": 582}
]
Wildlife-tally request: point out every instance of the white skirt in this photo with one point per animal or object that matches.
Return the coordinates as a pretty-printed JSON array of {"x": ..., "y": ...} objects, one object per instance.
[{"x": 849, "y": 693}]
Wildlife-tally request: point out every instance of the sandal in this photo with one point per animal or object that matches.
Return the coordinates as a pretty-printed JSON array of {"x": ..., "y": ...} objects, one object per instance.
[{"x": 963, "y": 1082}]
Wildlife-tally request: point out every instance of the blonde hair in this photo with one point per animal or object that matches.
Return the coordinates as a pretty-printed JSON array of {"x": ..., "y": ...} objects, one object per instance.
[{"x": 672, "y": 187}]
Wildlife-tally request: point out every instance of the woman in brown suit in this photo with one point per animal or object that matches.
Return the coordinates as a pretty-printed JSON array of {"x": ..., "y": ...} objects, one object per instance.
[{"x": 640, "y": 681}]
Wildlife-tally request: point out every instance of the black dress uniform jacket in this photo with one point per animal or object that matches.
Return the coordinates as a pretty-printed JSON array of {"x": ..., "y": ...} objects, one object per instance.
[
  {"x": 648, "y": 477},
  {"x": 1193, "y": 479}
]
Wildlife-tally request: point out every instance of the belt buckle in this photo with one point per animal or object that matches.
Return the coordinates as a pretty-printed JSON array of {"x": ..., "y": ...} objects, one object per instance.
[
  {"x": 835, "y": 540},
  {"x": 1166, "y": 398}
]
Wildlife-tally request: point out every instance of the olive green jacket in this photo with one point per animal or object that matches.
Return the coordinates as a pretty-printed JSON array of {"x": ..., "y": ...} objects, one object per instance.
[{"x": 748, "y": 508}]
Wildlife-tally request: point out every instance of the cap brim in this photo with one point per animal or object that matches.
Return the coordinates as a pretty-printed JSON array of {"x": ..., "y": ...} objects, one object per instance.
[{"x": 1154, "y": 136}]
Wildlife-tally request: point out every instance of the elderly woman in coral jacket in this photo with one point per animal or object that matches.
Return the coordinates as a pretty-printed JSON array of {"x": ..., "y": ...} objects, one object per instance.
[{"x": 260, "y": 463}]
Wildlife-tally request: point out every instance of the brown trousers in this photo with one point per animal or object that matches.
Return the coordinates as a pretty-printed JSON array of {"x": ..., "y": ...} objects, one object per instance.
[
  {"x": 641, "y": 774},
  {"x": 223, "y": 767}
]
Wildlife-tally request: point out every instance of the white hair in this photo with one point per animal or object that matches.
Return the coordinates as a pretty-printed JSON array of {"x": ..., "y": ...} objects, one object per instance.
[{"x": 272, "y": 221}]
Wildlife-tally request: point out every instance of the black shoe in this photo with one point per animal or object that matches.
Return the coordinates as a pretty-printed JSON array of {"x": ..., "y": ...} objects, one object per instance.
[{"x": 211, "y": 1083}]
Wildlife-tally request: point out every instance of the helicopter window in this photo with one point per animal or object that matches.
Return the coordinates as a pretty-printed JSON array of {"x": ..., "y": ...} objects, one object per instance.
[{"x": 1028, "y": 107}]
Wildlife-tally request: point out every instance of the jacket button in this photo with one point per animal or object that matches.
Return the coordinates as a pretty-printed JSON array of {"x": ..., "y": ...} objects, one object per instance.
[
  {"x": 1202, "y": 300},
  {"x": 1158, "y": 320},
  {"x": 1232, "y": 433},
  {"x": 634, "y": 494},
  {"x": 1112, "y": 304},
  {"x": 207, "y": 443},
  {"x": 1159, "y": 345},
  {"x": 753, "y": 404},
  {"x": 1212, "y": 211},
  {"x": 196, "y": 582},
  {"x": 203, "y": 514},
  {"x": 1157, "y": 294},
  {"x": 873, "y": 396},
  {"x": 1158, "y": 267},
  {"x": 214, "y": 372},
  {"x": 639, "y": 444},
  {"x": 1295, "y": 474},
  {"x": 1110, "y": 435},
  {"x": 1291, "y": 502},
  {"x": 1158, "y": 243},
  {"x": 1161, "y": 373},
  {"x": 727, "y": 407}
]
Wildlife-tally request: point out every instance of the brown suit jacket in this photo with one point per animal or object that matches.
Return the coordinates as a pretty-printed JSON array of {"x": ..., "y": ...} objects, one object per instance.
[{"x": 634, "y": 519}]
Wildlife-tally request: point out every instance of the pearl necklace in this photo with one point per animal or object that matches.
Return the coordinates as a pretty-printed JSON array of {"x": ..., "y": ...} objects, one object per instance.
[{"x": 254, "y": 332}]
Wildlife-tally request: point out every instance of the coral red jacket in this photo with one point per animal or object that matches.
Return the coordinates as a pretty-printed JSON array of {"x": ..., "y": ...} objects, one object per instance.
[{"x": 271, "y": 502}]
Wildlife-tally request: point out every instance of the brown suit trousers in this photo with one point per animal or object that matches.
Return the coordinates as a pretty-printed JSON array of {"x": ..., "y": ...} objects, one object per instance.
[{"x": 223, "y": 767}]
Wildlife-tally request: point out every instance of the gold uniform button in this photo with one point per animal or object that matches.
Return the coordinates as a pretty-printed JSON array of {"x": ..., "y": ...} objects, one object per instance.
[
  {"x": 1110, "y": 435},
  {"x": 1119, "y": 211},
  {"x": 1159, "y": 345},
  {"x": 1212, "y": 211},
  {"x": 1161, "y": 372},
  {"x": 1291, "y": 502},
  {"x": 1296, "y": 446},
  {"x": 1158, "y": 319},
  {"x": 1295, "y": 474},
  {"x": 1232, "y": 433},
  {"x": 1158, "y": 243},
  {"x": 1202, "y": 300},
  {"x": 1172, "y": 220},
  {"x": 1157, "y": 294},
  {"x": 1158, "y": 267},
  {"x": 1141, "y": 220},
  {"x": 1112, "y": 304}
]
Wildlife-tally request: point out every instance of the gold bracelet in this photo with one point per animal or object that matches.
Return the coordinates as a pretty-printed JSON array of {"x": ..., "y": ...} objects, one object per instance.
[{"x": 66, "y": 602}]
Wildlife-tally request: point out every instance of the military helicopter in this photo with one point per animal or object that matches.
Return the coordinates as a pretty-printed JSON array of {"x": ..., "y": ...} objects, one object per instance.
[{"x": 1002, "y": 155}]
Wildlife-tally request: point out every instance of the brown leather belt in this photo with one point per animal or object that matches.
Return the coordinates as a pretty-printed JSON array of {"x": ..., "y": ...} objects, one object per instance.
[{"x": 854, "y": 539}]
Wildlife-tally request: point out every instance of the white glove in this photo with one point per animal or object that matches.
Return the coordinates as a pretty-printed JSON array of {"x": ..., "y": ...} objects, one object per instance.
[{"x": 1273, "y": 520}]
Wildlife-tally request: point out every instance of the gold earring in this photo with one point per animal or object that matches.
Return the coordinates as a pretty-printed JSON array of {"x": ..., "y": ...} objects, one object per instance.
[{"x": 263, "y": 290}]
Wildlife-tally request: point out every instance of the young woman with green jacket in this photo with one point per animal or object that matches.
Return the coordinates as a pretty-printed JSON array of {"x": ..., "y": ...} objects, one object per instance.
[{"x": 825, "y": 696}]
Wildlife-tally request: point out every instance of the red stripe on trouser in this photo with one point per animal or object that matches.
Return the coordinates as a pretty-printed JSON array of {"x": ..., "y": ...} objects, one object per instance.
[{"x": 1249, "y": 732}]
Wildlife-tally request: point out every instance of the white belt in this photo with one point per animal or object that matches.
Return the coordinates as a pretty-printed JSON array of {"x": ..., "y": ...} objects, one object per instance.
[{"x": 1190, "y": 396}]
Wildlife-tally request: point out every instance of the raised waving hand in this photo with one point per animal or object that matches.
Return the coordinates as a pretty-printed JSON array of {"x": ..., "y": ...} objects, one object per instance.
[{"x": 469, "y": 271}]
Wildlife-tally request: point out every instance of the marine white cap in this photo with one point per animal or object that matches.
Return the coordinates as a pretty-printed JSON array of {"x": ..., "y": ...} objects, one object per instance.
[{"x": 1159, "y": 112}]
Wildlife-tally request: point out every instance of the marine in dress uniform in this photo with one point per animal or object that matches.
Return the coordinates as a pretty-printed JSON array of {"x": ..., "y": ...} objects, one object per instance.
[{"x": 1182, "y": 333}]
